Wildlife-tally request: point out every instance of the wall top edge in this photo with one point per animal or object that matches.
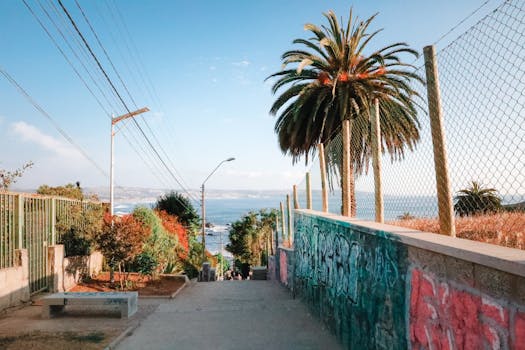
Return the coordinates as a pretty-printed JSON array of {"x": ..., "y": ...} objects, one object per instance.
[{"x": 501, "y": 258}]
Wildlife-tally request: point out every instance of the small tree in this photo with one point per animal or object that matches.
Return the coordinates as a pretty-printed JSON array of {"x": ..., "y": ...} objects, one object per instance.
[
  {"x": 159, "y": 245},
  {"x": 477, "y": 200},
  {"x": 120, "y": 240},
  {"x": 176, "y": 204},
  {"x": 222, "y": 263},
  {"x": 7, "y": 178},
  {"x": 249, "y": 235}
]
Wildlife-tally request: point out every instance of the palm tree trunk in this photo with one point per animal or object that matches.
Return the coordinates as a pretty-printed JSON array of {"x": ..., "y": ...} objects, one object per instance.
[
  {"x": 353, "y": 202},
  {"x": 347, "y": 172}
]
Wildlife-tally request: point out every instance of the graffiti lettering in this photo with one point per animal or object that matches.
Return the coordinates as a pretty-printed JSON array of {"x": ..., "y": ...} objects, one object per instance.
[{"x": 443, "y": 316}]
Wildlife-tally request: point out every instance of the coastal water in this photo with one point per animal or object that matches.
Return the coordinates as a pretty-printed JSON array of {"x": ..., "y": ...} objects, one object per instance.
[{"x": 222, "y": 211}]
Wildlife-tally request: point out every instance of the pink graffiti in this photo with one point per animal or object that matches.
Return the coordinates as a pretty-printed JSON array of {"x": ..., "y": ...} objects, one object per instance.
[
  {"x": 444, "y": 317},
  {"x": 283, "y": 267}
]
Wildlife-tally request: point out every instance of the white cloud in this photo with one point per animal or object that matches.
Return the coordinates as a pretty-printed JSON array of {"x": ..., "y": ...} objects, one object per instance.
[
  {"x": 30, "y": 133},
  {"x": 243, "y": 63},
  {"x": 213, "y": 68}
]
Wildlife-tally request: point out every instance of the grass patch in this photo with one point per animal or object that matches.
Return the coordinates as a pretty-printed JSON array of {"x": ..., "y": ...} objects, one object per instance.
[{"x": 506, "y": 228}]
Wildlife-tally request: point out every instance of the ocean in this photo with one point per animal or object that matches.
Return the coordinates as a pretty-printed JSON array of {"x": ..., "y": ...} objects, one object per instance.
[
  {"x": 224, "y": 210},
  {"x": 226, "y": 207},
  {"x": 220, "y": 212}
]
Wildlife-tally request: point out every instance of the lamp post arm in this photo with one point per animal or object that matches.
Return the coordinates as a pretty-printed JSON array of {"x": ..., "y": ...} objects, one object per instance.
[{"x": 213, "y": 172}]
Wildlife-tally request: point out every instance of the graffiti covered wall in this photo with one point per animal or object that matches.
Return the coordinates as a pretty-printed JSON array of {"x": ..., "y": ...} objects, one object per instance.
[
  {"x": 446, "y": 315},
  {"x": 354, "y": 281},
  {"x": 376, "y": 292}
]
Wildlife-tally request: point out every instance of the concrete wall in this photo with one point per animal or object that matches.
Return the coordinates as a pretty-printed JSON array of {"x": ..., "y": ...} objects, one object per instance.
[
  {"x": 76, "y": 268},
  {"x": 286, "y": 266},
  {"x": 63, "y": 274},
  {"x": 14, "y": 282},
  {"x": 384, "y": 287},
  {"x": 271, "y": 268}
]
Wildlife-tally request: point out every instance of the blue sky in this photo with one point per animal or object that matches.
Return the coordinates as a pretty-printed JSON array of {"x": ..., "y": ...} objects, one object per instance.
[{"x": 201, "y": 72}]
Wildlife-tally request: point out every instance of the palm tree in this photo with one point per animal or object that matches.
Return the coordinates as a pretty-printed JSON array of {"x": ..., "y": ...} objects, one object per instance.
[
  {"x": 333, "y": 79},
  {"x": 476, "y": 200}
]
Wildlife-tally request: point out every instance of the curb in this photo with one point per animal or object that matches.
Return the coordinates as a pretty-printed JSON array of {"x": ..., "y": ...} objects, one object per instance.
[
  {"x": 127, "y": 332},
  {"x": 172, "y": 296}
]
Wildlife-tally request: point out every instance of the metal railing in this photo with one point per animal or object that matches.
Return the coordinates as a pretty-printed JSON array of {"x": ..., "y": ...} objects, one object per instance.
[{"x": 33, "y": 222}]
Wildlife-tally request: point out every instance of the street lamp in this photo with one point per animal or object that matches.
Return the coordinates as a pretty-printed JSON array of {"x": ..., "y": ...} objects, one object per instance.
[
  {"x": 204, "y": 210},
  {"x": 115, "y": 120}
]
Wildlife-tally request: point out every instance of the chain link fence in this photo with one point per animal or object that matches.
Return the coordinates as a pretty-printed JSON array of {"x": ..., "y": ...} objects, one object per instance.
[{"x": 482, "y": 84}]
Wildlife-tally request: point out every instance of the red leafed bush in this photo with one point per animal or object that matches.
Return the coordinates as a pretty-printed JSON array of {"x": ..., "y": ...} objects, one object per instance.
[
  {"x": 174, "y": 227},
  {"x": 121, "y": 238}
]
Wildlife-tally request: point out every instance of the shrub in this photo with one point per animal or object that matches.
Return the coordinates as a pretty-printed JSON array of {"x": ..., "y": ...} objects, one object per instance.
[
  {"x": 77, "y": 230},
  {"x": 172, "y": 225},
  {"x": 120, "y": 240},
  {"x": 159, "y": 244},
  {"x": 74, "y": 243},
  {"x": 144, "y": 263}
]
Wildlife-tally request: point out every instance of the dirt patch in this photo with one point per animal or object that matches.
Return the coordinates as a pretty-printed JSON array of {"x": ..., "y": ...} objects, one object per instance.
[
  {"x": 165, "y": 285},
  {"x": 58, "y": 341}
]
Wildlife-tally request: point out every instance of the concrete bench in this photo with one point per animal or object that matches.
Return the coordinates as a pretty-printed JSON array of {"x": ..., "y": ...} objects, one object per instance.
[{"x": 125, "y": 301}]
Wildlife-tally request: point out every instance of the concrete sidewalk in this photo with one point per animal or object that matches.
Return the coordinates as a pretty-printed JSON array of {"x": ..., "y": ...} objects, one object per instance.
[{"x": 231, "y": 315}]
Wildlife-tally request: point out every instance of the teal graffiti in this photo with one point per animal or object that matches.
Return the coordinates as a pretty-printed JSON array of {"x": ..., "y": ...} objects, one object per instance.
[{"x": 352, "y": 280}]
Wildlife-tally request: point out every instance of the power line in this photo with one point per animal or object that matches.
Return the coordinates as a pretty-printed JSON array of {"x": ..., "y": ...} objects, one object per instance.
[
  {"x": 149, "y": 86},
  {"x": 80, "y": 76},
  {"x": 31, "y": 100},
  {"x": 125, "y": 87},
  {"x": 119, "y": 96}
]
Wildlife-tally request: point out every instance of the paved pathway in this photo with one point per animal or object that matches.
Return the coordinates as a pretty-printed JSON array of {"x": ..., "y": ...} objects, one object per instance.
[{"x": 231, "y": 315}]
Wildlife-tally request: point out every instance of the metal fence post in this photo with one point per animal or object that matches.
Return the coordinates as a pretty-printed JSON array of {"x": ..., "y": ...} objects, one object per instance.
[
  {"x": 376, "y": 161},
  {"x": 289, "y": 207},
  {"x": 445, "y": 204},
  {"x": 20, "y": 220},
  {"x": 53, "y": 221}
]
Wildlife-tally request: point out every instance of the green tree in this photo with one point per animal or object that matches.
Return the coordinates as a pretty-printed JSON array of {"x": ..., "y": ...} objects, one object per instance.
[
  {"x": 222, "y": 263},
  {"x": 476, "y": 199},
  {"x": 77, "y": 228},
  {"x": 176, "y": 204},
  {"x": 332, "y": 79},
  {"x": 249, "y": 236},
  {"x": 159, "y": 245},
  {"x": 7, "y": 178}
]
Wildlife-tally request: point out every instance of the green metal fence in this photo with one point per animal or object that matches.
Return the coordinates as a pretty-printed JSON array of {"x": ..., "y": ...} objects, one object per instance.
[{"x": 30, "y": 221}]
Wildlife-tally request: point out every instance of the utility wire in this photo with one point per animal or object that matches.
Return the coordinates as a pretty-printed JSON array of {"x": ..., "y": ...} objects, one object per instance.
[
  {"x": 31, "y": 100},
  {"x": 140, "y": 68},
  {"x": 127, "y": 91},
  {"x": 78, "y": 73},
  {"x": 118, "y": 94}
]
